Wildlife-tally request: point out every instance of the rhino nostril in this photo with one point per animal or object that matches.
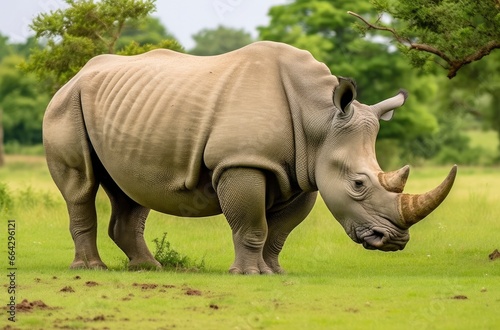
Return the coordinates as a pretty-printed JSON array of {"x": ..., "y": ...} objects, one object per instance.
[
  {"x": 378, "y": 234},
  {"x": 375, "y": 239}
]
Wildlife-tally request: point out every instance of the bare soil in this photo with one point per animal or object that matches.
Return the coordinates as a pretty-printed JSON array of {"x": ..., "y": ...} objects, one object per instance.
[
  {"x": 494, "y": 255},
  {"x": 27, "y": 306}
]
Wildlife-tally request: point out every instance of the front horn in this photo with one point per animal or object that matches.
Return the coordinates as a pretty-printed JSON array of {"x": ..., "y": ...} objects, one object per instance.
[{"x": 413, "y": 208}]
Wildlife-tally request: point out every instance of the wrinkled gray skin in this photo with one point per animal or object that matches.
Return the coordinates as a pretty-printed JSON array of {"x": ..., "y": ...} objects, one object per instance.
[{"x": 252, "y": 134}]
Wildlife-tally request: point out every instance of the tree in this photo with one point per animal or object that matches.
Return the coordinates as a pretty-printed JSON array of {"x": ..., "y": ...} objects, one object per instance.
[
  {"x": 83, "y": 30},
  {"x": 22, "y": 103},
  {"x": 449, "y": 32},
  {"x": 325, "y": 29},
  {"x": 220, "y": 40},
  {"x": 149, "y": 30}
]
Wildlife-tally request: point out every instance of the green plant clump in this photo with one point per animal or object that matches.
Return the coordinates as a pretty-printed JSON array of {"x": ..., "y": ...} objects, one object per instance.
[
  {"x": 5, "y": 198},
  {"x": 171, "y": 259}
]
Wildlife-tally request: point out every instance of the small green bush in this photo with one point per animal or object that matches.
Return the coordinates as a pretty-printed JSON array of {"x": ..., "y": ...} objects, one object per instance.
[
  {"x": 171, "y": 259},
  {"x": 6, "y": 201}
]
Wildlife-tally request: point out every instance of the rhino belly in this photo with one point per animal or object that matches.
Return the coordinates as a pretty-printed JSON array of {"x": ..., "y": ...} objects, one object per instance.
[{"x": 165, "y": 191}]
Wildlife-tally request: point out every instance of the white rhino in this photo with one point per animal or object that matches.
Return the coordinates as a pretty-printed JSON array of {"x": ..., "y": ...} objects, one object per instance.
[{"x": 252, "y": 134}]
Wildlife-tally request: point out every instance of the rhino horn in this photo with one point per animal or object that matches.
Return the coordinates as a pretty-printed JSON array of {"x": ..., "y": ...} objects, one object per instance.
[
  {"x": 384, "y": 109},
  {"x": 394, "y": 181},
  {"x": 413, "y": 208}
]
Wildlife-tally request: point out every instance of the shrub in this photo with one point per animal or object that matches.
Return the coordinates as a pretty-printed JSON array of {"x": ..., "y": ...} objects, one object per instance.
[
  {"x": 6, "y": 202},
  {"x": 171, "y": 259}
]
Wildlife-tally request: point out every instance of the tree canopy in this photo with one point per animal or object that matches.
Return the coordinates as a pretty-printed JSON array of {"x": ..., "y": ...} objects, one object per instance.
[
  {"x": 220, "y": 40},
  {"x": 21, "y": 102},
  {"x": 449, "y": 32}
]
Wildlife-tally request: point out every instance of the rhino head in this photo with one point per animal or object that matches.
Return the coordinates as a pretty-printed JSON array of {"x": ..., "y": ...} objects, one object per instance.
[{"x": 369, "y": 203}]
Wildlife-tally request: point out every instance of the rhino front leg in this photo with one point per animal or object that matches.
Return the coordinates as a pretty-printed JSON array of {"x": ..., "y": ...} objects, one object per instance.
[
  {"x": 241, "y": 193},
  {"x": 281, "y": 222},
  {"x": 127, "y": 224}
]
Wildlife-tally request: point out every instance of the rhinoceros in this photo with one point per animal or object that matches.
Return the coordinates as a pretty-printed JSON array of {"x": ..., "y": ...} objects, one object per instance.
[{"x": 253, "y": 134}]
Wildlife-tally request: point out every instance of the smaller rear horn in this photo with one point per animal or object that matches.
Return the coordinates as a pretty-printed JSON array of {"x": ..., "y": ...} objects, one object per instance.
[{"x": 394, "y": 181}]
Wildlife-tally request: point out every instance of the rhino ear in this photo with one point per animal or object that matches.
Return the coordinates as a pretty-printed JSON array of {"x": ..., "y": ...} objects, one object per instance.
[
  {"x": 344, "y": 94},
  {"x": 385, "y": 109}
]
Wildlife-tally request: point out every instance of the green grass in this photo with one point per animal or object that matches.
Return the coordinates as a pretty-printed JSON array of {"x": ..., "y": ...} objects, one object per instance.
[{"x": 331, "y": 282}]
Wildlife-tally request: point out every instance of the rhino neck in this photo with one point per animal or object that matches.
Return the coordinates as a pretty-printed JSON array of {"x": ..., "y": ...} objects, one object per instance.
[
  {"x": 308, "y": 87},
  {"x": 312, "y": 113},
  {"x": 312, "y": 117}
]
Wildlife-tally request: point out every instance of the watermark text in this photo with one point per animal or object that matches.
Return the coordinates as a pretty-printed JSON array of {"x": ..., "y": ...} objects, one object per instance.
[{"x": 11, "y": 270}]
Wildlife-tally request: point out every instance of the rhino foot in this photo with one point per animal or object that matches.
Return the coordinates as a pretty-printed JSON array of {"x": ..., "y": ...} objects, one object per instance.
[
  {"x": 272, "y": 262},
  {"x": 245, "y": 269},
  {"x": 278, "y": 270},
  {"x": 80, "y": 264}
]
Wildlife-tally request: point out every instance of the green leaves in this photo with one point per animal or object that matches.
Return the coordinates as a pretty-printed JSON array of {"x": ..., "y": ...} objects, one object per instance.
[
  {"x": 21, "y": 102},
  {"x": 220, "y": 40}
]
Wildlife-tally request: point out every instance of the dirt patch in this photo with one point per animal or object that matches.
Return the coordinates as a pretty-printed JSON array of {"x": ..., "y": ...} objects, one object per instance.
[
  {"x": 193, "y": 292},
  {"x": 352, "y": 310},
  {"x": 129, "y": 297},
  {"x": 145, "y": 286},
  {"x": 214, "y": 306},
  {"x": 459, "y": 297},
  {"x": 494, "y": 255},
  {"x": 166, "y": 286},
  {"x": 91, "y": 283},
  {"x": 26, "y": 306},
  {"x": 67, "y": 289},
  {"x": 77, "y": 277},
  {"x": 59, "y": 323}
]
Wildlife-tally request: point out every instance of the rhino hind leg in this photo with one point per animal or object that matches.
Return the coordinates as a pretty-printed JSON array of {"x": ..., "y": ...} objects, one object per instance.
[
  {"x": 70, "y": 164},
  {"x": 126, "y": 227},
  {"x": 281, "y": 223},
  {"x": 68, "y": 154},
  {"x": 241, "y": 193}
]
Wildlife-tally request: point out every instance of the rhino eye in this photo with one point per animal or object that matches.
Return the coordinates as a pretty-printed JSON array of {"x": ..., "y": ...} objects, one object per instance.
[
  {"x": 358, "y": 188},
  {"x": 358, "y": 184}
]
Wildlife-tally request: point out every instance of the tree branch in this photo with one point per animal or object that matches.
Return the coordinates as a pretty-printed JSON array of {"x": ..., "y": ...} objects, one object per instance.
[
  {"x": 381, "y": 28},
  {"x": 453, "y": 64},
  {"x": 482, "y": 52},
  {"x": 404, "y": 41}
]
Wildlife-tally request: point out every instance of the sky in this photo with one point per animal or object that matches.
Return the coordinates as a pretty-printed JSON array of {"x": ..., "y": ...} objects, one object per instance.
[{"x": 183, "y": 18}]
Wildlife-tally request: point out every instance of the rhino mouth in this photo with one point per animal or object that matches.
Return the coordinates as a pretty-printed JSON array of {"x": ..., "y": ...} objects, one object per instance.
[{"x": 381, "y": 238}]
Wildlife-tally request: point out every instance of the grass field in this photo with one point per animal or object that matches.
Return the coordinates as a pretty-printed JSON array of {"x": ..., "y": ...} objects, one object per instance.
[{"x": 442, "y": 280}]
